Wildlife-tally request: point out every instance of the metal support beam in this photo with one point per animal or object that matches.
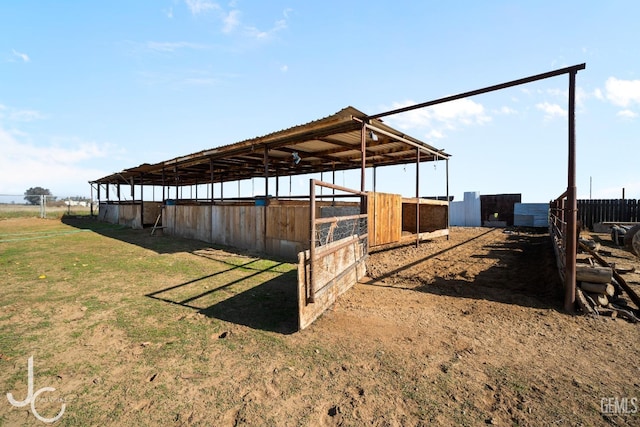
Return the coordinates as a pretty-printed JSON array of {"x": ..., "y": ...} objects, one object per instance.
[
  {"x": 572, "y": 204},
  {"x": 266, "y": 171},
  {"x": 363, "y": 165},
  {"x": 311, "y": 298},
  {"x": 448, "y": 201},
  {"x": 141, "y": 199},
  {"x": 572, "y": 69},
  {"x": 417, "y": 197}
]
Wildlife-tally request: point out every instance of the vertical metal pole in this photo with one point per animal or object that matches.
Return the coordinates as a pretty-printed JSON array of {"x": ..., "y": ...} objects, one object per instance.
[
  {"x": 163, "y": 184},
  {"x": 312, "y": 240},
  {"x": 417, "y": 197},
  {"x": 211, "y": 177},
  {"x": 141, "y": 199},
  {"x": 448, "y": 202},
  {"x": 91, "y": 201},
  {"x": 175, "y": 171},
  {"x": 333, "y": 181},
  {"x": 363, "y": 165},
  {"x": 266, "y": 172},
  {"x": 572, "y": 206},
  {"x": 375, "y": 178},
  {"x": 277, "y": 185}
]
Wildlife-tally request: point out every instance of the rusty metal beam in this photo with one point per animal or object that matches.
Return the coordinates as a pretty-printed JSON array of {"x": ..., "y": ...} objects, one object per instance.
[
  {"x": 487, "y": 89},
  {"x": 572, "y": 204}
]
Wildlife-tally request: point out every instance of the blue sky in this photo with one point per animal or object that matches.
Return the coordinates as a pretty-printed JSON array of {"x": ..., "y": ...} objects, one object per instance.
[{"x": 90, "y": 88}]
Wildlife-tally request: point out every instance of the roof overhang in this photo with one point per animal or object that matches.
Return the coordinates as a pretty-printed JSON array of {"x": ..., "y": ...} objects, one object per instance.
[{"x": 330, "y": 144}]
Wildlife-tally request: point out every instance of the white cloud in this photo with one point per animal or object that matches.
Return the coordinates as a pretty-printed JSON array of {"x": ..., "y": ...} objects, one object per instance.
[
  {"x": 627, "y": 114},
  {"x": 172, "y": 46},
  {"x": 623, "y": 92},
  {"x": 278, "y": 26},
  {"x": 597, "y": 93},
  {"x": 284, "y": 68},
  {"x": 551, "y": 110},
  {"x": 22, "y": 56},
  {"x": 199, "y": 6},
  {"x": 448, "y": 116},
  {"x": 59, "y": 166},
  {"x": 231, "y": 21},
  {"x": 169, "y": 12},
  {"x": 17, "y": 115},
  {"x": 507, "y": 111}
]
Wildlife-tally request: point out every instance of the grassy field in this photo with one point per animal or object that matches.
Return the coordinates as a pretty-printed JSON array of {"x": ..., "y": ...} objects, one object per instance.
[
  {"x": 134, "y": 329},
  {"x": 33, "y": 211},
  {"x": 116, "y": 319}
]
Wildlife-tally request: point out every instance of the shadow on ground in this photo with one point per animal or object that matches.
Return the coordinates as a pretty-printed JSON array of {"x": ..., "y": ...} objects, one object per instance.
[
  {"x": 143, "y": 238},
  {"x": 270, "y": 305},
  {"x": 524, "y": 272}
]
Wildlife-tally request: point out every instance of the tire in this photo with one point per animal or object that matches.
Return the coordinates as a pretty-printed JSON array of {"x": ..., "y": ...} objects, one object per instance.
[
  {"x": 628, "y": 237},
  {"x": 635, "y": 244}
]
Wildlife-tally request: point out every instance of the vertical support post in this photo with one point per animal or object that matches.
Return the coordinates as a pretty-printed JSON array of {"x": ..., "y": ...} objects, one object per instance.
[
  {"x": 448, "y": 201},
  {"x": 211, "y": 176},
  {"x": 363, "y": 165},
  {"x": 118, "y": 191},
  {"x": 141, "y": 199},
  {"x": 175, "y": 178},
  {"x": 91, "y": 201},
  {"x": 266, "y": 172},
  {"x": 277, "y": 185},
  {"x": 333, "y": 181},
  {"x": 417, "y": 197},
  {"x": 265, "y": 210},
  {"x": 163, "y": 185},
  {"x": 572, "y": 206},
  {"x": 107, "y": 190},
  {"x": 375, "y": 178},
  {"x": 312, "y": 240}
]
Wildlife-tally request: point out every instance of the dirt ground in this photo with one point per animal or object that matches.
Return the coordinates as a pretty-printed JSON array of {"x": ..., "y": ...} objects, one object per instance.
[{"x": 468, "y": 330}]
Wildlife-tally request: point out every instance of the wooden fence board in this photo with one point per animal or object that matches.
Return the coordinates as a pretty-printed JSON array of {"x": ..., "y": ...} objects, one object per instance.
[{"x": 591, "y": 212}]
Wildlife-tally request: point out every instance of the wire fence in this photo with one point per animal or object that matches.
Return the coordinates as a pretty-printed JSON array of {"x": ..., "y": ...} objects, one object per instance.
[{"x": 42, "y": 206}]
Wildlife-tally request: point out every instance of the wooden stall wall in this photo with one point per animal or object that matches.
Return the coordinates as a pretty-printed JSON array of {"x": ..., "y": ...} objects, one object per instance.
[
  {"x": 287, "y": 229},
  {"x": 188, "y": 221},
  {"x": 433, "y": 215},
  {"x": 129, "y": 215},
  {"x": 109, "y": 212},
  {"x": 150, "y": 212},
  {"x": 338, "y": 271},
  {"x": 385, "y": 218},
  {"x": 239, "y": 226}
]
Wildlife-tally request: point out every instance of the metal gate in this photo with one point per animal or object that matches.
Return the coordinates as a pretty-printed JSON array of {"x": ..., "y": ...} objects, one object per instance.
[{"x": 338, "y": 248}]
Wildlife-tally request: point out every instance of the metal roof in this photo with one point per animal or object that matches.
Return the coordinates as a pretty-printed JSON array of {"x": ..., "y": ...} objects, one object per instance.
[{"x": 325, "y": 145}]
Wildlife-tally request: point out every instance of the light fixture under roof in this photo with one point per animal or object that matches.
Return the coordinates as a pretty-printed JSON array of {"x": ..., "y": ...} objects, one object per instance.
[{"x": 296, "y": 157}]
